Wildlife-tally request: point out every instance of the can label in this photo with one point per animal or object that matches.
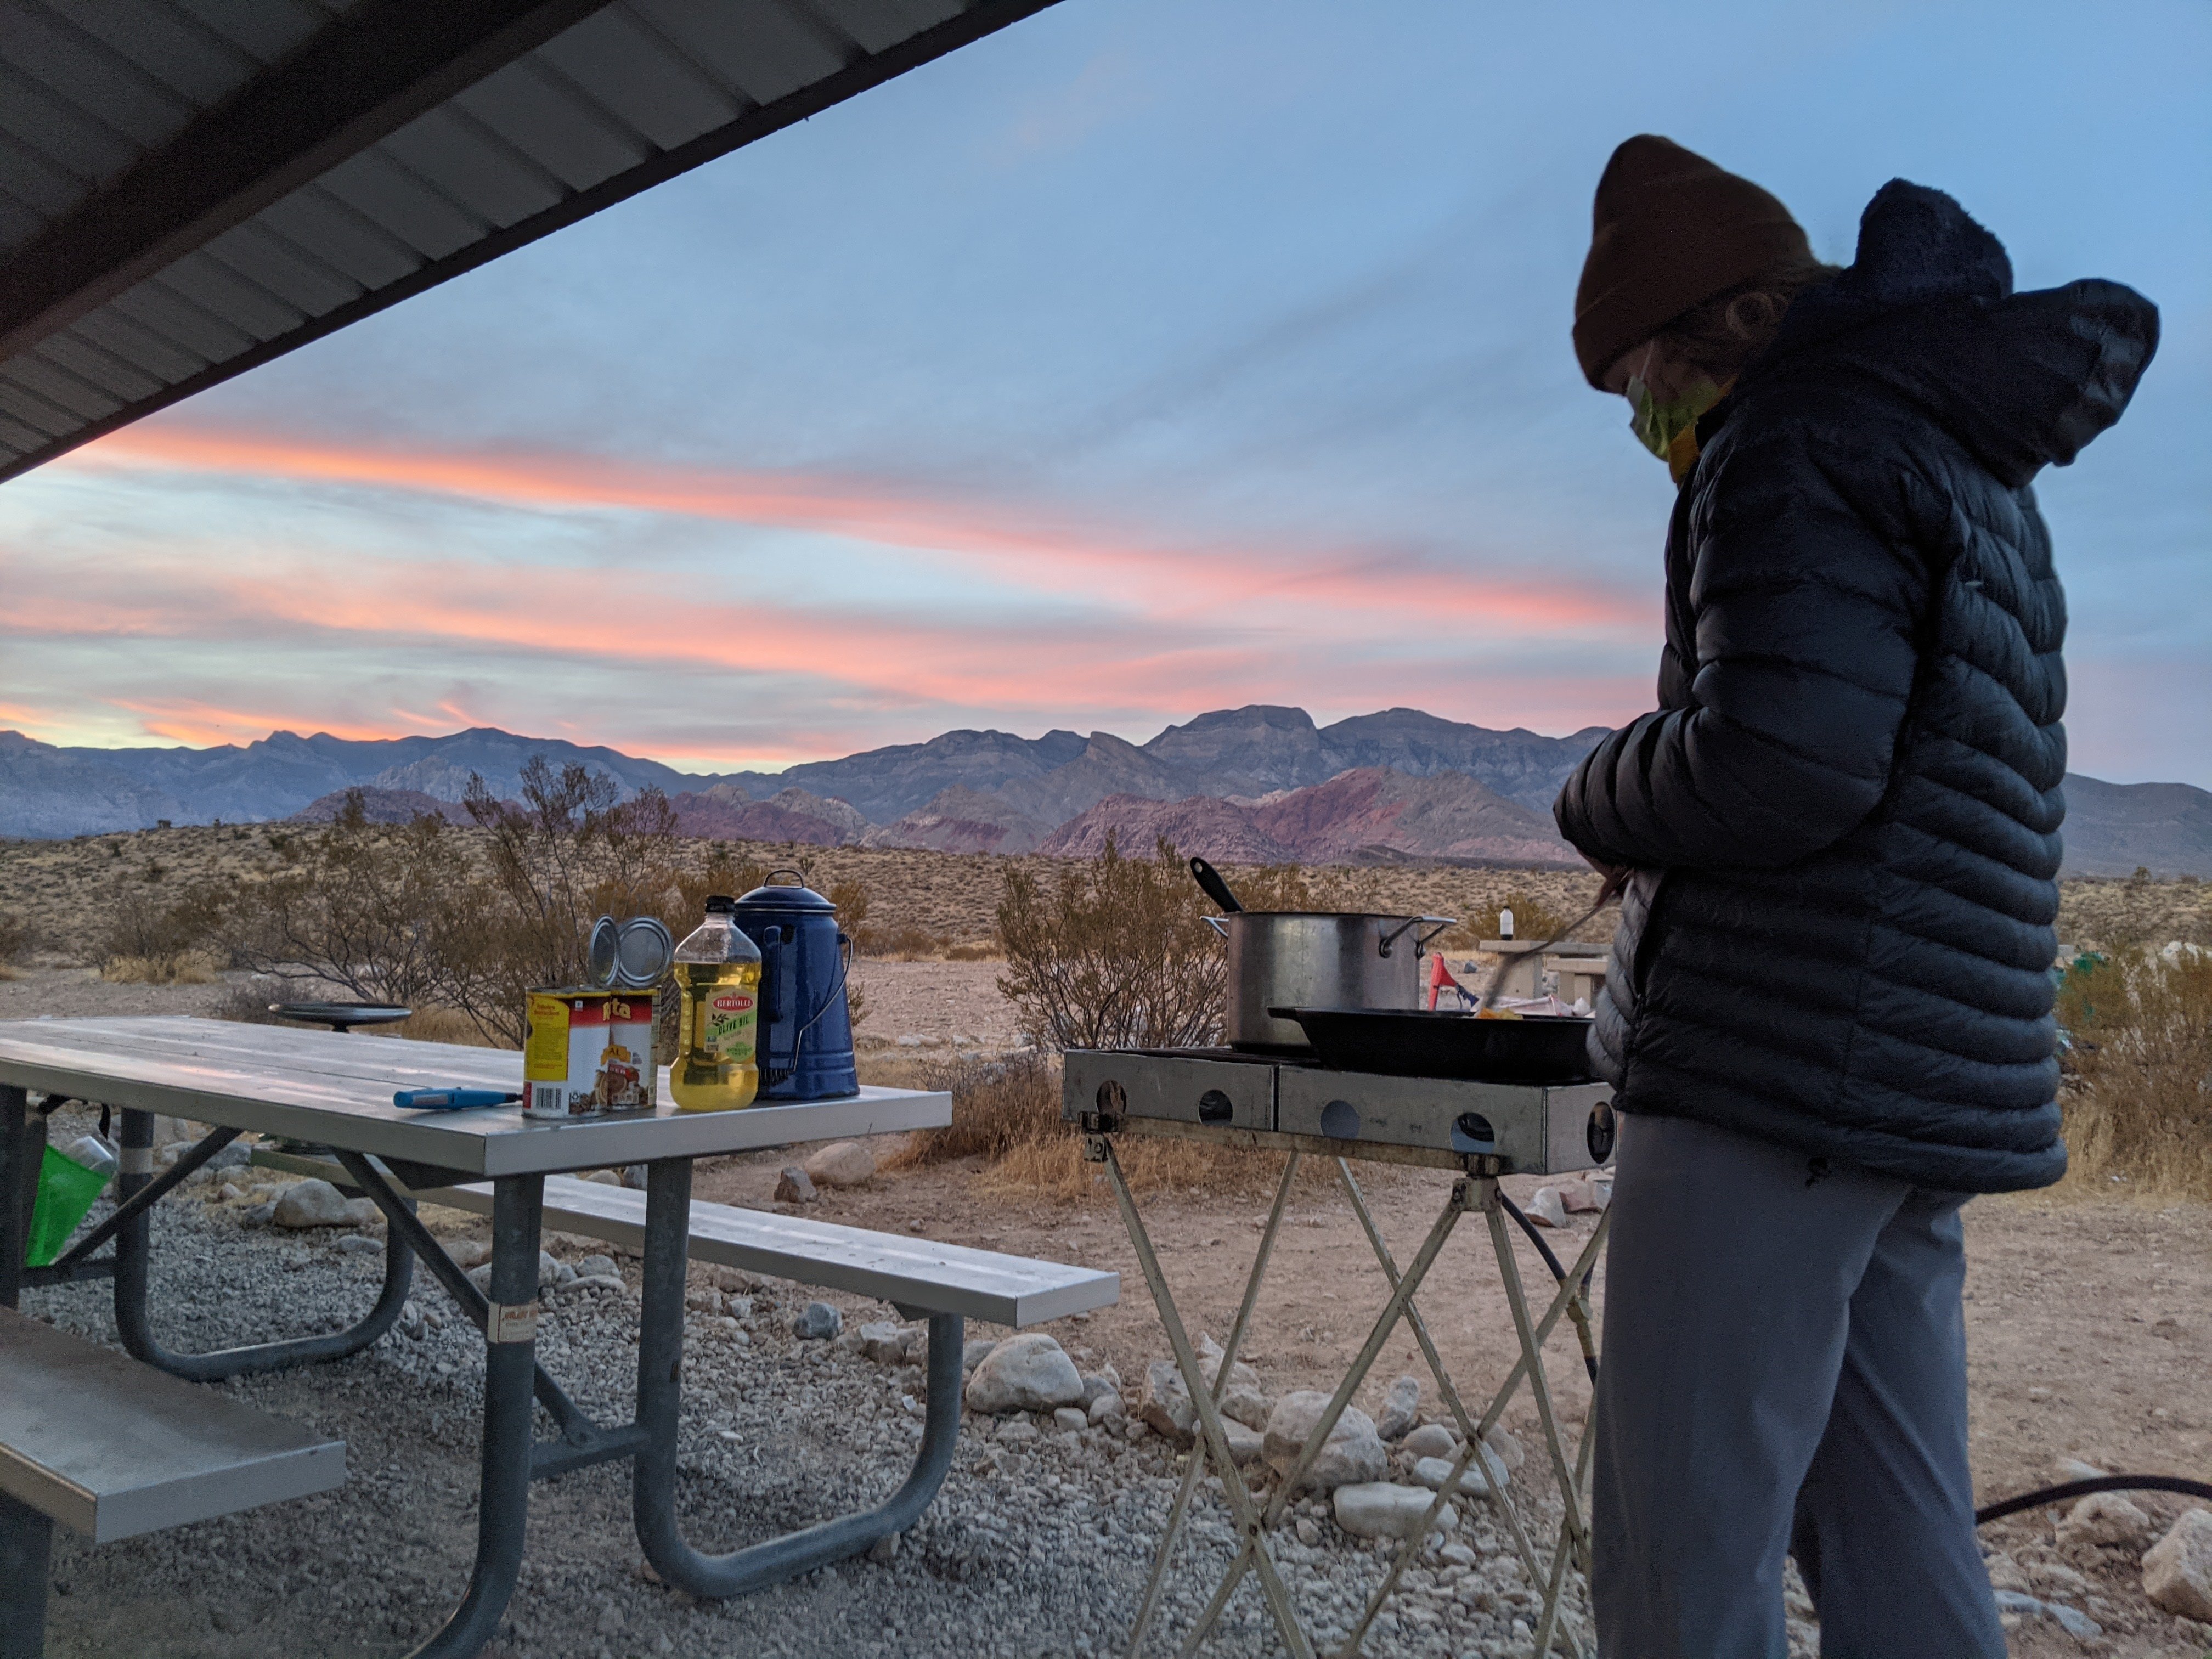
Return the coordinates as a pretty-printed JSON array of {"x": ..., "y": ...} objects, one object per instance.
[
  {"x": 729, "y": 1021},
  {"x": 588, "y": 1053}
]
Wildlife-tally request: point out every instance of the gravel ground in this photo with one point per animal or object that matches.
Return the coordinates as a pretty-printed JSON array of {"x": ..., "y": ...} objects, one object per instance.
[{"x": 1038, "y": 1544}]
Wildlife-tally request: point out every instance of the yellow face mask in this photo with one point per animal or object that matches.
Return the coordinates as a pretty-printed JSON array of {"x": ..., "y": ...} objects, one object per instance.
[{"x": 1670, "y": 430}]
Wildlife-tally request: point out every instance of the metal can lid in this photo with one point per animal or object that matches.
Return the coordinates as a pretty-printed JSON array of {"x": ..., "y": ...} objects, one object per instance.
[
  {"x": 603, "y": 954},
  {"x": 643, "y": 953}
]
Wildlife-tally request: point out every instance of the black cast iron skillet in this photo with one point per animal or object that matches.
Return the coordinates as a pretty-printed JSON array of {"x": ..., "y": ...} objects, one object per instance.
[{"x": 1409, "y": 1042}]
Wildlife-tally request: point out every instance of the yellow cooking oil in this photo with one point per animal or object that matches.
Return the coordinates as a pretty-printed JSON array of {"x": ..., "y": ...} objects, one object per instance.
[{"x": 718, "y": 982}]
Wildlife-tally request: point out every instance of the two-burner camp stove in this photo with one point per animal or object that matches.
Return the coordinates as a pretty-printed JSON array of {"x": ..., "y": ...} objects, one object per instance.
[
  {"x": 1519, "y": 1128},
  {"x": 1293, "y": 1105}
]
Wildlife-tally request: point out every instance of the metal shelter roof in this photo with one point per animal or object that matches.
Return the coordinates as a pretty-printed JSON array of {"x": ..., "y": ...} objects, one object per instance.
[{"x": 189, "y": 188}]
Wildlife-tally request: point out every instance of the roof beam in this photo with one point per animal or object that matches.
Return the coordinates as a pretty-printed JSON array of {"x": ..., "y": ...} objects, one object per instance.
[
  {"x": 369, "y": 74},
  {"x": 983, "y": 17}
]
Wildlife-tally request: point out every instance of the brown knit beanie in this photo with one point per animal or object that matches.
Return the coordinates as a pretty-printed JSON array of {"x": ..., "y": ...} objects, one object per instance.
[{"x": 1670, "y": 230}]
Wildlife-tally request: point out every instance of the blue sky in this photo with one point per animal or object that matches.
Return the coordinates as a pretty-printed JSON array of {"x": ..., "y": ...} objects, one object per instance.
[{"x": 1153, "y": 355}]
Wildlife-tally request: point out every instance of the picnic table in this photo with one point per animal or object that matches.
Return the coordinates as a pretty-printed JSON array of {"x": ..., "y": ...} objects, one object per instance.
[{"x": 334, "y": 1090}]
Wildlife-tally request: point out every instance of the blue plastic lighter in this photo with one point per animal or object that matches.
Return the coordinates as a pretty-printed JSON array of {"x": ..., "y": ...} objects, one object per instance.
[{"x": 450, "y": 1100}]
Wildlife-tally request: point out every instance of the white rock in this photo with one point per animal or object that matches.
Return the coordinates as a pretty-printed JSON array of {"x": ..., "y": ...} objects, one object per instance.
[
  {"x": 2177, "y": 1571},
  {"x": 1457, "y": 1555},
  {"x": 1351, "y": 1455},
  {"x": 1430, "y": 1440},
  {"x": 1247, "y": 1406},
  {"x": 1107, "y": 1408},
  {"x": 467, "y": 1253},
  {"x": 1378, "y": 1509},
  {"x": 1400, "y": 1403},
  {"x": 1070, "y": 1417},
  {"x": 311, "y": 1203},
  {"x": 1210, "y": 1356},
  {"x": 1547, "y": 1208},
  {"x": 597, "y": 1267},
  {"x": 1245, "y": 1444},
  {"x": 1164, "y": 1403},
  {"x": 841, "y": 1163},
  {"x": 2104, "y": 1517},
  {"x": 1507, "y": 1449},
  {"x": 1027, "y": 1373},
  {"x": 884, "y": 1341},
  {"x": 794, "y": 1185}
]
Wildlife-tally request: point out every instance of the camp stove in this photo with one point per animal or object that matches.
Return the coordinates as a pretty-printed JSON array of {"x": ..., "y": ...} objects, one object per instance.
[{"x": 1231, "y": 1096}]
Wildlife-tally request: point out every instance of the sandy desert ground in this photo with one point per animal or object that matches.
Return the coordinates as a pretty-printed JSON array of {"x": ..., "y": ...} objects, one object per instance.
[{"x": 2091, "y": 1317}]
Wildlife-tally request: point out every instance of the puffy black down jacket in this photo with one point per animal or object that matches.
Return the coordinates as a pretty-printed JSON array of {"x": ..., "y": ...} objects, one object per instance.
[{"x": 1844, "y": 816}]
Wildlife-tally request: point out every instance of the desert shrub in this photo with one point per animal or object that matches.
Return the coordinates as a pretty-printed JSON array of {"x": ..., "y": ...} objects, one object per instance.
[
  {"x": 1115, "y": 956},
  {"x": 905, "y": 943},
  {"x": 569, "y": 850},
  {"x": 375, "y": 910},
  {"x": 177, "y": 942},
  {"x": 978, "y": 950},
  {"x": 16, "y": 937},
  {"x": 1005, "y": 1112},
  {"x": 2138, "y": 1099}
]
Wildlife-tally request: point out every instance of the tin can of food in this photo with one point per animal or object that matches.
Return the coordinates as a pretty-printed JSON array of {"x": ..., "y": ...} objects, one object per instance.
[{"x": 589, "y": 1053}]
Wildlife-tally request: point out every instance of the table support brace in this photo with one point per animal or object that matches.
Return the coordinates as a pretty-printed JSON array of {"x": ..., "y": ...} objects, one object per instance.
[
  {"x": 659, "y": 1398},
  {"x": 132, "y": 1274},
  {"x": 27, "y": 1537},
  {"x": 582, "y": 1440}
]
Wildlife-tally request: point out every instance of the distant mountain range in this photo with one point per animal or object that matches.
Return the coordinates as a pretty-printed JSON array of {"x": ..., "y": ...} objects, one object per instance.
[{"x": 1259, "y": 784}]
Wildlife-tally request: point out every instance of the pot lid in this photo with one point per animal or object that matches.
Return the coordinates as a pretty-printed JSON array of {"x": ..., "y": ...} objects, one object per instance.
[{"x": 794, "y": 894}]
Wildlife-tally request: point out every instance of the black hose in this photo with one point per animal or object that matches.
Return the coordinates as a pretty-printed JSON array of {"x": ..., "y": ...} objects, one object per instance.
[
  {"x": 1558, "y": 1277},
  {"x": 2072, "y": 1489}
]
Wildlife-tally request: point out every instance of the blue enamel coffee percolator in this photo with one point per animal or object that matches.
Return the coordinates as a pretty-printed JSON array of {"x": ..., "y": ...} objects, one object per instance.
[{"x": 806, "y": 1027}]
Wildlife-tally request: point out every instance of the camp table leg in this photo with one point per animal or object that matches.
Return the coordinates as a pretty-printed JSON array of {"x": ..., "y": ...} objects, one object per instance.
[
  {"x": 1194, "y": 1468},
  {"x": 1466, "y": 1194},
  {"x": 27, "y": 1540},
  {"x": 1493, "y": 1488},
  {"x": 510, "y": 1359},
  {"x": 659, "y": 1396},
  {"x": 1214, "y": 1439},
  {"x": 132, "y": 1251},
  {"x": 15, "y": 1180}
]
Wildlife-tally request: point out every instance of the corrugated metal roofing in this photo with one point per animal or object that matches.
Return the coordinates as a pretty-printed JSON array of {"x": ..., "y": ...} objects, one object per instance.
[{"x": 192, "y": 187}]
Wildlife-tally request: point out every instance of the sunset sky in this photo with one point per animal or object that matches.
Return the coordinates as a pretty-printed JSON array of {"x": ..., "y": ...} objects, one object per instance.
[{"x": 1152, "y": 356}]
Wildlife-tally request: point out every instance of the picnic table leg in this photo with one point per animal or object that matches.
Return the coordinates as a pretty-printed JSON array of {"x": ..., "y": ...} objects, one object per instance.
[
  {"x": 14, "y": 1180},
  {"x": 510, "y": 1360},
  {"x": 659, "y": 1393},
  {"x": 26, "y": 1555},
  {"x": 132, "y": 1324}
]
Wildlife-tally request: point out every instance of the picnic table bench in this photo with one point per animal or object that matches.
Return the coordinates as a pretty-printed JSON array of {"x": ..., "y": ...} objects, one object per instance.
[
  {"x": 111, "y": 1448},
  {"x": 336, "y": 1091}
]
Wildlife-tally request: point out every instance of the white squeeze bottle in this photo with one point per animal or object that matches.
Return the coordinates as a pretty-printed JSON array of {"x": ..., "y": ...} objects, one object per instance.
[
  {"x": 718, "y": 976},
  {"x": 1505, "y": 922}
]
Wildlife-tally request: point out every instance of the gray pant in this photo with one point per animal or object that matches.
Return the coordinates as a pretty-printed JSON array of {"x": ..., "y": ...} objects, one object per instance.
[{"x": 1784, "y": 1371}]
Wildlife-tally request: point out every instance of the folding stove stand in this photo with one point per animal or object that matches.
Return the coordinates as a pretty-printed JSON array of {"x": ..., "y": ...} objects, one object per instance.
[{"x": 1476, "y": 1192}]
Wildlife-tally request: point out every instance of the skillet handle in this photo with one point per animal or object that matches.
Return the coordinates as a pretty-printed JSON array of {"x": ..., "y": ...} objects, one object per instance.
[{"x": 1210, "y": 882}]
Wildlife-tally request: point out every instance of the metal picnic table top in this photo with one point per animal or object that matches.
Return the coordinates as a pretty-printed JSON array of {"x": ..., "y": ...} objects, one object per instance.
[{"x": 336, "y": 1090}]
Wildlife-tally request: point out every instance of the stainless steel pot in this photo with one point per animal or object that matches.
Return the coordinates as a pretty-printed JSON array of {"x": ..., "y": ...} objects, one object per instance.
[{"x": 1316, "y": 959}]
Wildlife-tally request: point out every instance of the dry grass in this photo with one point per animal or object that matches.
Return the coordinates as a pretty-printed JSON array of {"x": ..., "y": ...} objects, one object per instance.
[
  {"x": 1007, "y": 1114},
  {"x": 167, "y": 968},
  {"x": 2138, "y": 1099}
]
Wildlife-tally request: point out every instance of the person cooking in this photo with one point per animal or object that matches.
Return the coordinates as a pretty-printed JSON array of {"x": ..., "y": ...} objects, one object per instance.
[{"x": 1826, "y": 1015}]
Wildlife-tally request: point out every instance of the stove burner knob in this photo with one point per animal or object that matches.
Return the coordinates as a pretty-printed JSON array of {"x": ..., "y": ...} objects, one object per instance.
[
  {"x": 1215, "y": 1107},
  {"x": 1339, "y": 1121}
]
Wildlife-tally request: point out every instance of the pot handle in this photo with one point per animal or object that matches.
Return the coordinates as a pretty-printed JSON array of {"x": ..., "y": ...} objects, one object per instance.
[
  {"x": 1219, "y": 924},
  {"x": 1435, "y": 925}
]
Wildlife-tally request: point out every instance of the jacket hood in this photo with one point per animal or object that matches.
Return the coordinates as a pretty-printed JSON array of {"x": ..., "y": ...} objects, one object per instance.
[{"x": 2025, "y": 380}]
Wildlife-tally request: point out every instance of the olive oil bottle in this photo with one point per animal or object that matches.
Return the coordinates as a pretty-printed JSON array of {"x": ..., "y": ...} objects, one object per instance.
[{"x": 718, "y": 976}]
